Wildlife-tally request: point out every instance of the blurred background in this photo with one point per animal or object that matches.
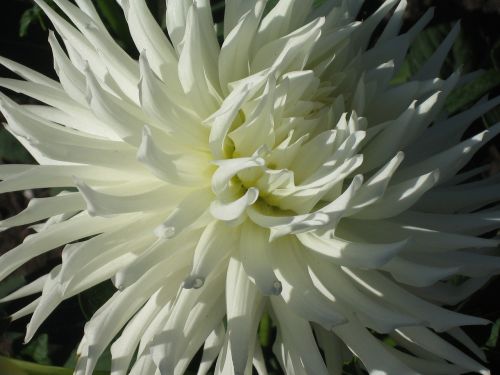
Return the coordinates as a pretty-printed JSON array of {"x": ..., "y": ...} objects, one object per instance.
[{"x": 23, "y": 38}]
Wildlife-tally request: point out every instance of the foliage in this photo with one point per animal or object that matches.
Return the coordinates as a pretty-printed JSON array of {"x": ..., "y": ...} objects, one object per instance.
[{"x": 16, "y": 367}]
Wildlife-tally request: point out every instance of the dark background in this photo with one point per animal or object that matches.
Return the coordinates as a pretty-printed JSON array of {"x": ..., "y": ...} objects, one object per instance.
[{"x": 477, "y": 48}]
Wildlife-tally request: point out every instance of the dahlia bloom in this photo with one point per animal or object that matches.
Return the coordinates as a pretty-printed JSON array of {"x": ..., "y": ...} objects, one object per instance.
[{"x": 281, "y": 172}]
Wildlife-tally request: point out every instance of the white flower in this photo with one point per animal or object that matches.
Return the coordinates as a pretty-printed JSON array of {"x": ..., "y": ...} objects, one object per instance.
[{"x": 282, "y": 172}]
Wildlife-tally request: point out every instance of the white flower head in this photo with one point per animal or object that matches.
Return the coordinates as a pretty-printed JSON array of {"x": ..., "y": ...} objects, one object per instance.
[{"x": 282, "y": 172}]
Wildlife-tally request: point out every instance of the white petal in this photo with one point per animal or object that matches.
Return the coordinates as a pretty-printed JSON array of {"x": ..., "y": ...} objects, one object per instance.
[
  {"x": 313, "y": 154},
  {"x": 123, "y": 348},
  {"x": 422, "y": 240},
  {"x": 74, "y": 39},
  {"x": 331, "y": 346},
  {"x": 374, "y": 314},
  {"x": 70, "y": 77},
  {"x": 234, "y": 212},
  {"x": 148, "y": 36},
  {"x": 113, "y": 111},
  {"x": 56, "y": 235},
  {"x": 177, "y": 169},
  {"x": 244, "y": 308},
  {"x": 351, "y": 254},
  {"x": 231, "y": 167},
  {"x": 449, "y": 161},
  {"x": 170, "y": 111},
  {"x": 29, "y": 74},
  {"x": 9, "y": 170},
  {"x": 399, "y": 197},
  {"x": 211, "y": 349},
  {"x": 25, "y": 311},
  {"x": 46, "y": 176},
  {"x": 176, "y": 253},
  {"x": 449, "y": 132},
  {"x": 285, "y": 17},
  {"x": 258, "y": 129},
  {"x": 326, "y": 216},
  {"x": 364, "y": 33},
  {"x": 185, "y": 214},
  {"x": 77, "y": 257},
  {"x": 416, "y": 274},
  {"x": 48, "y": 95},
  {"x": 256, "y": 259},
  {"x": 104, "y": 204},
  {"x": 297, "y": 334},
  {"x": 172, "y": 341},
  {"x": 177, "y": 11},
  {"x": 120, "y": 65},
  {"x": 33, "y": 287},
  {"x": 298, "y": 291},
  {"x": 370, "y": 351},
  {"x": 434, "y": 316},
  {"x": 194, "y": 61},
  {"x": 429, "y": 340},
  {"x": 210, "y": 311},
  {"x": 461, "y": 198},
  {"x": 394, "y": 25},
  {"x": 303, "y": 198},
  {"x": 374, "y": 189},
  {"x": 290, "y": 52},
  {"x": 217, "y": 242},
  {"x": 50, "y": 299},
  {"x": 42, "y": 208},
  {"x": 433, "y": 65},
  {"x": 461, "y": 336},
  {"x": 289, "y": 359},
  {"x": 234, "y": 54},
  {"x": 222, "y": 120},
  {"x": 474, "y": 224}
]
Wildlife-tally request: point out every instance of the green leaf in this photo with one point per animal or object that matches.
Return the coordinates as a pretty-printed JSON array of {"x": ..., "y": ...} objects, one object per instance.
[
  {"x": 318, "y": 3},
  {"x": 265, "y": 328},
  {"x": 27, "y": 19},
  {"x": 462, "y": 55},
  {"x": 31, "y": 16},
  {"x": 421, "y": 50},
  {"x": 470, "y": 93},
  {"x": 493, "y": 339},
  {"x": 38, "y": 350},
  {"x": 492, "y": 117},
  {"x": 404, "y": 73},
  {"x": 16, "y": 367},
  {"x": 426, "y": 43},
  {"x": 11, "y": 150},
  {"x": 390, "y": 341}
]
